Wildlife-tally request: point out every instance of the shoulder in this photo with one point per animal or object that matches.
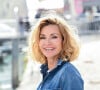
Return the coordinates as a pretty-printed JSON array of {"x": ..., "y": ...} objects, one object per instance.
[
  {"x": 71, "y": 73},
  {"x": 72, "y": 77},
  {"x": 71, "y": 69}
]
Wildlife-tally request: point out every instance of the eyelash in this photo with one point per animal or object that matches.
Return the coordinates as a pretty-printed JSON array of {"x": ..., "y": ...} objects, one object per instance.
[
  {"x": 42, "y": 38},
  {"x": 54, "y": 37},
  {"x": 45, "y": 37}
]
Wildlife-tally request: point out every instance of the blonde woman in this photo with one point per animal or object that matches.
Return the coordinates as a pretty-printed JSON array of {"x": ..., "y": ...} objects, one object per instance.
[{"x": 54, "y": 44}]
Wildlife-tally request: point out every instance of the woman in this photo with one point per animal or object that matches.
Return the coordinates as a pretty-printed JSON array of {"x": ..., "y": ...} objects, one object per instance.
[{"x": 54, "y": 44}]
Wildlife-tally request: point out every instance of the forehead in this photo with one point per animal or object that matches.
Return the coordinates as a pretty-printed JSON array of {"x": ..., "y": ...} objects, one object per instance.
[{"x": 50, "y": 29}]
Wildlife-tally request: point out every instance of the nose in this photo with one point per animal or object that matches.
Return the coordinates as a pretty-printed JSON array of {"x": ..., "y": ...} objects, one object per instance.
[{"x": 48, "y": 40}]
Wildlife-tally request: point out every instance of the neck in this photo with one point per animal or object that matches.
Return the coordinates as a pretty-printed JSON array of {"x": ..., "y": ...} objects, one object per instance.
[{"x": 52, "y": 63}]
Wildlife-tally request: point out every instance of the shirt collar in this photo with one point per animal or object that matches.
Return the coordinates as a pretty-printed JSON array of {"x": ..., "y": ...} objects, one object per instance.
[{"x": 44, "y": 67}]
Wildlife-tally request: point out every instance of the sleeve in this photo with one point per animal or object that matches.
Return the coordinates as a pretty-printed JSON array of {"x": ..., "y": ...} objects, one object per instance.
[{"x": 71, "y": 80}]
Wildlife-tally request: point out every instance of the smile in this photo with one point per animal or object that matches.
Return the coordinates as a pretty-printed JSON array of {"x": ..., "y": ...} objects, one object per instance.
[{"x": 49, "y": 49}]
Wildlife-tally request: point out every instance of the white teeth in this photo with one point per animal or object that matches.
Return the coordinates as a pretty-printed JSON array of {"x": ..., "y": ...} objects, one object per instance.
[{"x": 48, "y": 49}]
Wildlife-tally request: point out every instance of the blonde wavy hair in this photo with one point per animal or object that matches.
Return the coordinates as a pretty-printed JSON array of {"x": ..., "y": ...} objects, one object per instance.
[{"x": 71, "y": 46}]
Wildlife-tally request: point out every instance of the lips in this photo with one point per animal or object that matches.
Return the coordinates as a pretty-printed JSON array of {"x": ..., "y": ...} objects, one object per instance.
[{"x": 49, "y": 49}]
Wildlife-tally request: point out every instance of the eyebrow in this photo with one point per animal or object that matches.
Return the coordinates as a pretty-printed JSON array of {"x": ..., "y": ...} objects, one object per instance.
[{"x": 50, "y": 34}]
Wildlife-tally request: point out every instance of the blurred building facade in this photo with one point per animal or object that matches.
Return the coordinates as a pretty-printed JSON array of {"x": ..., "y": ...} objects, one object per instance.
[
  {"x": 29, "y": 7},
  {"x": 76, "y": 7},
  {"x": 91, "y": 3},
  {"x": 7, "y": 8}
]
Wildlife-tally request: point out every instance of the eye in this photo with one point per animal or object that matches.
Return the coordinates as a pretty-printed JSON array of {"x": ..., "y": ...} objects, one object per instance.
[
  {"x": 42, "y": 37},
  {"x": 54, "y": 37}
]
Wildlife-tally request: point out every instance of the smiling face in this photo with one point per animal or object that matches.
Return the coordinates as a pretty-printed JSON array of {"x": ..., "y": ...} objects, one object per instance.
[{"x": 50, "y": 42}]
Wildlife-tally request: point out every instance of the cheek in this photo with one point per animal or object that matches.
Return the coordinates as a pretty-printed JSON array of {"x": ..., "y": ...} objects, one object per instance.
[
  {"x": 59, "y": 44},
  {"x": 41, "y": 44}
]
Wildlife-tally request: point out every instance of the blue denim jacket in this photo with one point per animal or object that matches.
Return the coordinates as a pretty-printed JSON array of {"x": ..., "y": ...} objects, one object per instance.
[{"x": 63, "y": 77}]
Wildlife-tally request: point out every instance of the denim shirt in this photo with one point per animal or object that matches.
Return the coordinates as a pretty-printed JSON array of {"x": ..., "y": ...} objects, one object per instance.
[{"x": 63, "y": 77}]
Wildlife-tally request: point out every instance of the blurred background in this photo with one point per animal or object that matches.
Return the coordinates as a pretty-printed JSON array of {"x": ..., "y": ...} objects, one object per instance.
[{"x": 18, "y": 16}]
